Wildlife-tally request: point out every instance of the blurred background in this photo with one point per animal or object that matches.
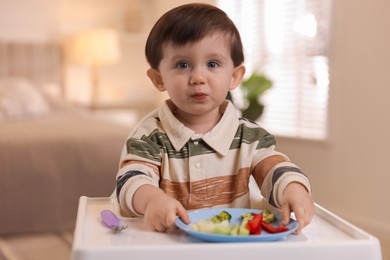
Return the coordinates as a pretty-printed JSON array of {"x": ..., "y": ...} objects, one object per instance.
[{"x": 329, "y": 108}]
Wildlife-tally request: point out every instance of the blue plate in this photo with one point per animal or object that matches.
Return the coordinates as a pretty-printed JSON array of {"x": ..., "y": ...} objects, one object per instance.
[{"x": 236, "y": 218}]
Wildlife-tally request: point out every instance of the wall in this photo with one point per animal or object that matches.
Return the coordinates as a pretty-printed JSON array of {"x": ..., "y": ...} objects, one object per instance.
[
  {"x": 55, "y": 20},
  {"x": 350, "y": 170},
  {"x": 121, "y": 84}
]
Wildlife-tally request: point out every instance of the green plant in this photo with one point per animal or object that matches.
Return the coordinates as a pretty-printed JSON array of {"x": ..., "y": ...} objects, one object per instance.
[{"x": 252, "y": 89}]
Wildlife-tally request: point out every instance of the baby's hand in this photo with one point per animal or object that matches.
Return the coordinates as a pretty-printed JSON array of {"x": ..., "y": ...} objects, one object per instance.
[
  {"x": 161, "y": 212},
  {"x": 298, "y": 200}
]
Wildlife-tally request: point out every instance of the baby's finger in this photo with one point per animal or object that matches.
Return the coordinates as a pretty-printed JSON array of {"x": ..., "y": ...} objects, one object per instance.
[
  {"x": 299, "y": 229},
  {"x": 302, "y": 223},
  {"x": 170, "y": 221},
  {"x": 303, "y": 218},
  {"x": 285, "y": 214},
  {"x": 183, "y": 215}
]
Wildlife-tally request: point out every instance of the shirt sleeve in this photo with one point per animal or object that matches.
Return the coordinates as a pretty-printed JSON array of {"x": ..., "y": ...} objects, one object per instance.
[
  {"x": 280, "y": 175},
  {"x": 139, "y": 165},
  {"x": 277, "y": 180}
]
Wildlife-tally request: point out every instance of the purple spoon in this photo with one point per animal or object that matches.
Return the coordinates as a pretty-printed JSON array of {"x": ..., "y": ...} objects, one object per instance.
[{"x": 111, "y": 220}]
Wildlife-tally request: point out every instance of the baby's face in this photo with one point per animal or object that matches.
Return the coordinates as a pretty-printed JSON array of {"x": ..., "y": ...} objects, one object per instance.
[{"x": 197, "y": 76}]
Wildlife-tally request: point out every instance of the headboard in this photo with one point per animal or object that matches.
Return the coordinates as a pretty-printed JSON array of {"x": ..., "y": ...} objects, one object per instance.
[{"x": 38, "y": 62}]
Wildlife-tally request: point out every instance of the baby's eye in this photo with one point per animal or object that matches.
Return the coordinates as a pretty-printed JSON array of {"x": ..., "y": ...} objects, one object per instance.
[
  {"x": 182, "y": 65},
  {"x": 213, "y": 64}
]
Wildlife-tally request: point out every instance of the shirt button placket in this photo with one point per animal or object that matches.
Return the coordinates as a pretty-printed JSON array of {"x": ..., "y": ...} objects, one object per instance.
[{"x": 195, "y": 167}]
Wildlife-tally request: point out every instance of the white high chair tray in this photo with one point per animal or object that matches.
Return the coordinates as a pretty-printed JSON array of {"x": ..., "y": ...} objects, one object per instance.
[{"x": 327, "y": 237}]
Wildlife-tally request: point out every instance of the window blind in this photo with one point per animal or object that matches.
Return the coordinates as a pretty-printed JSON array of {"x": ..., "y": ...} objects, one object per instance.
[{"x": 287, "y": 41}]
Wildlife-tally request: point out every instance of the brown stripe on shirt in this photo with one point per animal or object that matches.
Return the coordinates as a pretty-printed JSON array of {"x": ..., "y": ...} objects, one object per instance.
[
  {"x": 154, "y": 167},
  {"x": 209, "y": 192}
]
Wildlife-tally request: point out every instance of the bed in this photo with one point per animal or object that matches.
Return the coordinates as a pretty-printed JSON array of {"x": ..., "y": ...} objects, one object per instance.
[{"x": 51, "y": 153}]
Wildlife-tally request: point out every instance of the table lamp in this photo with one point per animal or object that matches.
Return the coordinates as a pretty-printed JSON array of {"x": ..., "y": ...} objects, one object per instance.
[{"x": 94, "y": 48}]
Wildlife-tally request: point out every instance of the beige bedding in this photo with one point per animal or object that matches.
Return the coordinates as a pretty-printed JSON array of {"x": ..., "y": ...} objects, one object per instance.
[
  {"x": 47, "y": 163},
  {"x": 50, "y": 152}
]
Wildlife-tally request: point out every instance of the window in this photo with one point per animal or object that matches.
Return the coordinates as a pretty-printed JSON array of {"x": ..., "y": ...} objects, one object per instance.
[{"x": 287, "y": 41}]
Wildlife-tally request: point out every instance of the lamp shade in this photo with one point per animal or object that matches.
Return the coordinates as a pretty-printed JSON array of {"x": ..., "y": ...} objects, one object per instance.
[{"x": 93, "y": 47}]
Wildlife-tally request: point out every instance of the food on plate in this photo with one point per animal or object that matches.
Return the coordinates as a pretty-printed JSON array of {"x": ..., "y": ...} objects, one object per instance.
[
  {"x": 271, "y": 229},
  {"x": 250, "y": 224},
  {"x": 268, "y": 216},
  {"x": 254, "y": 224},
  {"x": 224, "y": 215},
  {"x": 218, "y": 224}
]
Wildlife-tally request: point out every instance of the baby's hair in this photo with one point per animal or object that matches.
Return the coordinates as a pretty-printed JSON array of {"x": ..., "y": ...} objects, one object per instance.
[{"x": 190, "y": 23}]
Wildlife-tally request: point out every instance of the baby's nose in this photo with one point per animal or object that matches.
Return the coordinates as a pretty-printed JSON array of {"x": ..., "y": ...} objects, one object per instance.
[{"x": 197, "y": 77}]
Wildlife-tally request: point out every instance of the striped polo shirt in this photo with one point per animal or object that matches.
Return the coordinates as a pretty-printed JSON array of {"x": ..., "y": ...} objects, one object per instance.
[{"x": 200, "y": 171}]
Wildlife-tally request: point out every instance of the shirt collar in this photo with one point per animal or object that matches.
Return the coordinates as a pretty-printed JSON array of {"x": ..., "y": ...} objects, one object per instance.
[{"x": 219, "y": 138}]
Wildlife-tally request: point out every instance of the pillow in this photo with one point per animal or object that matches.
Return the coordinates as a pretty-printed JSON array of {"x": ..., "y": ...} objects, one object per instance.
[
  {"x": 53, "y": 95},
  {"x": 20, "y": 99}
]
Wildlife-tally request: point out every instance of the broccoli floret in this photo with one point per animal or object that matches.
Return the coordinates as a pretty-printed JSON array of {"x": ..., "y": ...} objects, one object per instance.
[
  {"x": 246, "y": 216},
  {"x": 268, "y": 217},
  {"x": 223, "y": 215}
]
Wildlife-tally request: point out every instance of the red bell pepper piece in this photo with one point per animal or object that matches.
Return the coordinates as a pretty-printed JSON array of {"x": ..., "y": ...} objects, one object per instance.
[
  {"x": 271, "y": 229},
  {"x": 254, "y": 225}
]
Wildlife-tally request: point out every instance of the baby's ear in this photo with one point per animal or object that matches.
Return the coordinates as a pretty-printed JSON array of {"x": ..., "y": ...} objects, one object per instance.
[
  {"x": 155, "y": 76},
  {"x": 238, "y": 74}
]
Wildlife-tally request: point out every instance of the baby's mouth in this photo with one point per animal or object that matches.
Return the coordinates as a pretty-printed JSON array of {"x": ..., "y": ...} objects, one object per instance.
[{"x": 199, "y": 96}]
